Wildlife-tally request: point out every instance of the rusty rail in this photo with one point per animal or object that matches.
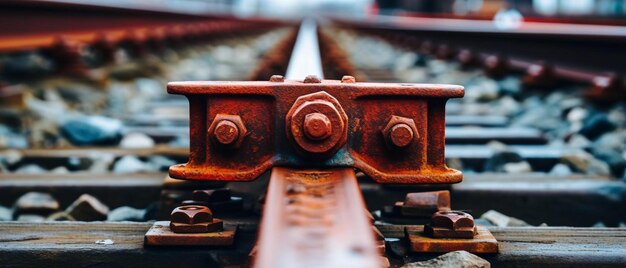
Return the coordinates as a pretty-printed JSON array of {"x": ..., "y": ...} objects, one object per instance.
[
  {"x": 541, "y": 51},
  {"x": 314, "y": 218}
]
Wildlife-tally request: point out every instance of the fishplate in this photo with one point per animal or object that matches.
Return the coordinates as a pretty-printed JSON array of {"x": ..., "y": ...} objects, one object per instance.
[{"x": 394, "y": 133}]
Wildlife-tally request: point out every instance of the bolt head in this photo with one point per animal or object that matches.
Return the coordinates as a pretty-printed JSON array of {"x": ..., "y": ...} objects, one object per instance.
[
  {"x": 312, "y": 79},
  {"x": 401, "y": 135},
  {"x": 317, "y": 126},
  {"x": 277, "y": 78},
  {"x": 309, "y": 135},
  {"x": 454, "y": 220},
  {"x": 227, "y": 130},
  {"x": 400, "y": 132},
  {"x": 191, "y": 214},
  {"x": 348, "y": 79}
]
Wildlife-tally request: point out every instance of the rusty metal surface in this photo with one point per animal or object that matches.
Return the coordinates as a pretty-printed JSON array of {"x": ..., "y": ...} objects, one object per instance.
[
  {"x": 422, "y": 204},
  {"x": 194, "y": 219},
  {"x": 314, "y": 218},
  {"x": 266, "y": 110},
  {"x": 160, "y": 234},
  {"x": 483, "y": 241},
  {"x": 451, "y": 224}
]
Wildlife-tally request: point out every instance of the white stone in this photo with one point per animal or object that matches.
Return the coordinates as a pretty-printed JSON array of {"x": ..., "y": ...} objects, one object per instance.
[
  {"x": 136, "y": 140},
  {"x": 130, "y": 164},
  {"x": 519, "y": 167},
  {"x": 458, "y": 259}
]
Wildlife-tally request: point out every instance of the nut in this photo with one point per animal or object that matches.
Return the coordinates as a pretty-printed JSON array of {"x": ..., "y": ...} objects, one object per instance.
[
  {"x": 205, "y": 227},
  {"x": 191, "y": 215},
  {"x": 228, "y": 130},
  {"x": 317, "y": 125},
  {"x": 400, "y": 132},
  {"x": 194, "y": 219},
  {"x": 453, "y": 219},
  {"x": 451, "y": 224}
]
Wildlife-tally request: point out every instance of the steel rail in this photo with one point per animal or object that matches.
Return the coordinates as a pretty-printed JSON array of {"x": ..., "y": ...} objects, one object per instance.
[
  {"x": 539, "y": 49},
  {"x": 314, "y": 218},
  {"x": 305, "y": 57}
]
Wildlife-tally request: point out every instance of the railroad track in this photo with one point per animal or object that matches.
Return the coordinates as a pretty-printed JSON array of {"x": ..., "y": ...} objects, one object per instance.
[{"x": 586, "y": 194}]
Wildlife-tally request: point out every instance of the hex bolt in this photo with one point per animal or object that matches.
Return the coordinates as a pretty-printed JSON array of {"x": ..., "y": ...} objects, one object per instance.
[
  {"x": 312, "y": 79},
  {"x": 194, "y": 219},
  {"x": 452, "y": 220},
  {"x": 226, "y": 132},
  {"x": 317, "y": 126},
  {"x": 348, "y": 79},
  {"x": 191, "y": 214},
  {"x": 400, "y": 132},
  {"x": 451, "y": 224},
  {"x": 277, "y": 78},
  {"x": 401, "y": 135}
]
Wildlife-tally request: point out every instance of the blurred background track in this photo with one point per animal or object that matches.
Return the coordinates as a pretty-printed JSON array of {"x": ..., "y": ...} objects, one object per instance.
[{"x": 540, "y": 134}]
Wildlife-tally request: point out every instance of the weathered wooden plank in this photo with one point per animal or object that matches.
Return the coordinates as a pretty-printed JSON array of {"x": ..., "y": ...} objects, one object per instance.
[
  {"x": 546, "y": 246},
  {"x": 479, "y": 135},
  {"x": 137, "y": 190},
  {"x": 49, "y": 159},
  {"x": 540, "y": 157},
  {"x": 536, "y": 198},
  {"x": 477, "y": 120},
  {"x": 74, "y": 244}
]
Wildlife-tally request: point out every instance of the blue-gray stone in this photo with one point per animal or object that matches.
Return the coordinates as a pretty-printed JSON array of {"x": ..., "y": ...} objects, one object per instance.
[{"x": 92, "y": 130}]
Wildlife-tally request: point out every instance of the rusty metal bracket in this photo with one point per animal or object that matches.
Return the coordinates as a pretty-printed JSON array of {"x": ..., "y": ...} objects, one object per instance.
[{"x": 327, "y": 123}]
